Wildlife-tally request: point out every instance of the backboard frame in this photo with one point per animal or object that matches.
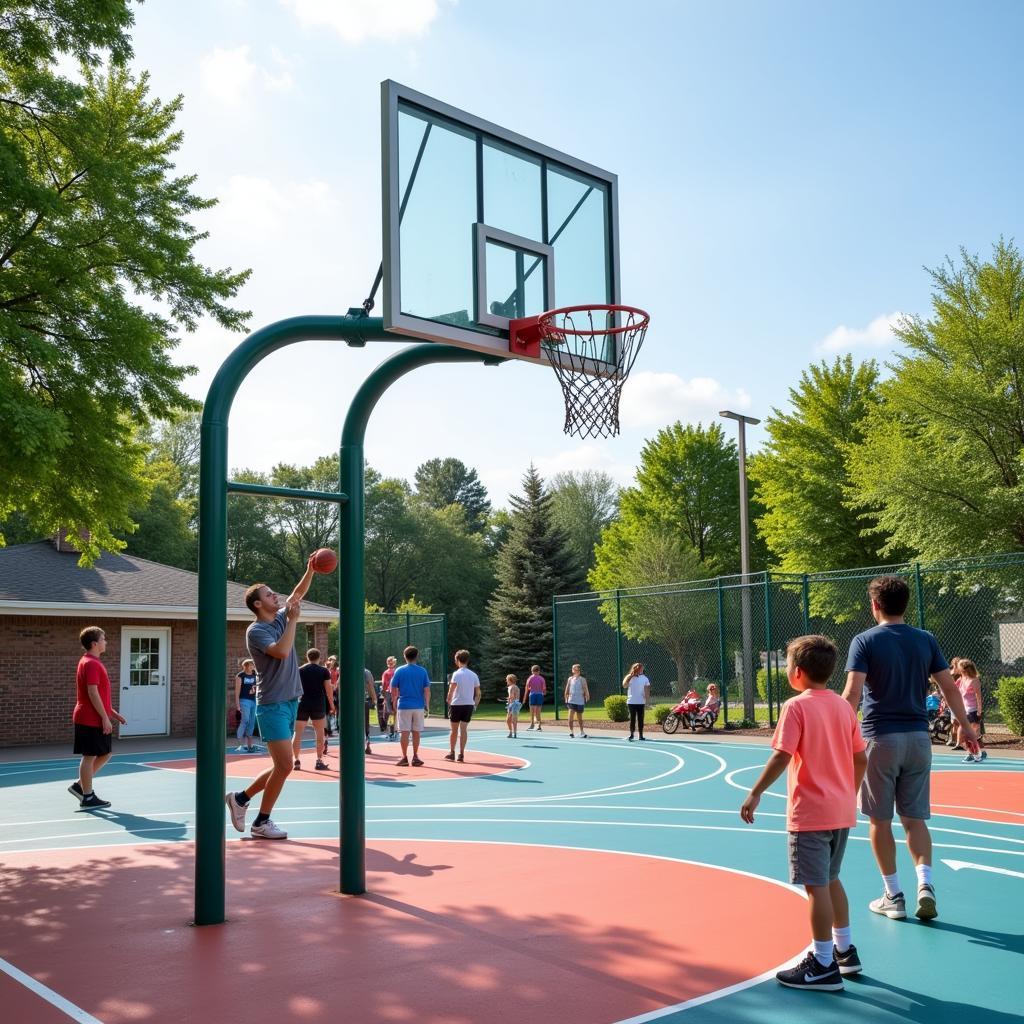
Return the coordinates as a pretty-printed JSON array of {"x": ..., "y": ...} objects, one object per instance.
[{"x": 394, "y": 94}]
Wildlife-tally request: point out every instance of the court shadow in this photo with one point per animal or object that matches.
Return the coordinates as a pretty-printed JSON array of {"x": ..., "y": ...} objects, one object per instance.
[
  {"x": 511, "y": 778},
  {"x": 901, "y": 1003},
  {"x": 540, "y": 746},
  {"x": 983, "y": 936},
  {"x": 137, "y": 825},
  {"x": 388, "y": 783}
]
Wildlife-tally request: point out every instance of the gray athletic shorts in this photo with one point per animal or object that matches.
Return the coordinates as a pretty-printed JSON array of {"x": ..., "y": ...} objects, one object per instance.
[
  {"x": 816, "y": 857},
  {"x": 898, "y": 775}
]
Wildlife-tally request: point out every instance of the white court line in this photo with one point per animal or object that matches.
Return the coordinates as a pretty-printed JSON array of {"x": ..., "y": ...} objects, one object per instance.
[
  {"x": 76, "y": 1013},
  {"x": 680, "y": 763},
  {"x": 990, "y": 810}
]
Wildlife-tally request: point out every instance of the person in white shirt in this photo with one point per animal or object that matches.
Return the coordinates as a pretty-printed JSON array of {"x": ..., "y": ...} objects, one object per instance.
[
  {"x": 463, "y": 699},
  {"x": 638, "y": 693},
  {"x": 576, "y": 696}
]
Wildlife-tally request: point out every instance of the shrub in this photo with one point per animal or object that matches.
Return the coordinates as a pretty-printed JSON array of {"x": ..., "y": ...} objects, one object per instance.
[
  {"x": 743, "y": 723},
  {"x": 1010, "y": 695},
  {"x": 615, "y": 705},
  {"x": 762, "y": 684},
  {"x": 661, "y": 712}
]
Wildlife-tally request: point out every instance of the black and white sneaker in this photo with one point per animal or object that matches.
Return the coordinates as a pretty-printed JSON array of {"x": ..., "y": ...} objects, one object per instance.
[
  {"x": 75, "y": 789},
  {"x": 848, "y": 962},
  {"x": 809, "y": 974},
  {"x": 92, "y": 802}
]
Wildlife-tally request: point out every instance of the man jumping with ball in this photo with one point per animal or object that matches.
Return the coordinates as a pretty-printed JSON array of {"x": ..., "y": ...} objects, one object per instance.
[{"x": 271, "y": 643}]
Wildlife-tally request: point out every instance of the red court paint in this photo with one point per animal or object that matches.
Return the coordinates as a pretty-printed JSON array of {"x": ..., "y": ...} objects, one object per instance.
[
  {"x": 380, "y": 765},
  {"x": 450, "y": 934},
  {"x": 979, "y": 794}
]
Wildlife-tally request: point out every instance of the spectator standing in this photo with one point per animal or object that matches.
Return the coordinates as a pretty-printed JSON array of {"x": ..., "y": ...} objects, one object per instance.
[
  {"x": 92, "y": 717},
  {"x": 576, "y": 696},
  {"x": 410, "y": 695},
  {"x": 463, "y": 699},
  {"x": 245, "y": 705},
  {"x": 638, "y": 695},
  {"x": 536, "y": 687}
]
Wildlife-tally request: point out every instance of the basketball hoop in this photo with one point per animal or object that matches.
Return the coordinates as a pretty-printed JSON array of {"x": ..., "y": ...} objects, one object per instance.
[{"x": 592, "y": 350}]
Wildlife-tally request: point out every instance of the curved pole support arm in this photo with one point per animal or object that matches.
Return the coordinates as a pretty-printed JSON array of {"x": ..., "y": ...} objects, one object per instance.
[{"x": 352, "y": 598}]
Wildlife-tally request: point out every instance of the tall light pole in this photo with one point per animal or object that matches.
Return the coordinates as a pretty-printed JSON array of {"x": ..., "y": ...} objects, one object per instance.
[{"x": 748, "y": 654}]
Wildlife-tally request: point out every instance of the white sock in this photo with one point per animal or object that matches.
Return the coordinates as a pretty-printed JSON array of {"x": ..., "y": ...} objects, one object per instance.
[
  {"x": 823, "y": 952},
  {"x": 841, "y": 937},
  {"x": 892, "y": 884},
  {"x": 924, "y": 874}
]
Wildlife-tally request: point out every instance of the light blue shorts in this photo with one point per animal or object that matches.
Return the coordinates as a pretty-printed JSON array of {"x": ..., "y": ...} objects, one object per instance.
[
  {"x": 277, "y": 721},
  {"x": 514, "y": 706}
]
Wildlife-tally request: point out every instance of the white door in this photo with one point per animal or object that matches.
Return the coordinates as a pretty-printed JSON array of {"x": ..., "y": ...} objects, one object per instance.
[{"x": 145, "y": 680}]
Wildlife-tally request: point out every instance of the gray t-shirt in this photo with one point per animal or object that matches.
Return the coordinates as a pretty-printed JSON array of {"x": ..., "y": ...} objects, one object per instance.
[{"x": 277, "y": 679}]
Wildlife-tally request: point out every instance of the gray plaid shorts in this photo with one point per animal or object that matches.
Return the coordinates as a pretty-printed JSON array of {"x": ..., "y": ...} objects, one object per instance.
[{"x": 816, "y": 857}]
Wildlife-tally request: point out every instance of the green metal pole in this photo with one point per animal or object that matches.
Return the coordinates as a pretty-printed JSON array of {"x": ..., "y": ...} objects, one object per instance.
[
  {"x": 807, "y": 604},
  {"x": 352, "y": 598},
  {"x": 445, "y": 654},
  {"x": 211, "y": 689},
  {"x": 920, "y": 596},
  {"x": 408, "y": 632},
  {"x": 721, "y": 654},
  {"x": 618, "y": 642},
  {"x": 768, "y": 642},
  {"x": 554, "y": 652}
]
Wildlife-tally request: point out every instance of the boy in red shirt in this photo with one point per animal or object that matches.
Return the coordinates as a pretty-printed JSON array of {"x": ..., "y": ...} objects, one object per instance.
[
  {"x": 818, "y": 739},
  {"x": 92, "y": 717}
]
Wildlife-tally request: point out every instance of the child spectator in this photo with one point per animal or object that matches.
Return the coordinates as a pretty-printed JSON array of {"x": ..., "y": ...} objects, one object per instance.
[
  {"x": 969, "y": 686},
  {"x": 818, "y": 740},
  {"x": 92, "y": 717},
  {"x": 513, "y": 703},
  {"x": 385, "y": 693},
  {"x": 245, "y": 705}
]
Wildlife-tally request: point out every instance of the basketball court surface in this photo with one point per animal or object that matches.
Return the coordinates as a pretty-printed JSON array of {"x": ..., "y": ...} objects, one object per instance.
[{"x": 546, "y": 878}]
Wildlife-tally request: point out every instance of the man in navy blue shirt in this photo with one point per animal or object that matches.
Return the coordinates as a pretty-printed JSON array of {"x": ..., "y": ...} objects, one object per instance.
[
  {"x": 410, "y": 697},
  {"x": 890, "y": 666}
]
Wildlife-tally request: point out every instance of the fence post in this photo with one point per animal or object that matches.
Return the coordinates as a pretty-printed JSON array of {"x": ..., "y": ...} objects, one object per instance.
[
  {"x": 554, "y": 653},
  {"x": 408, "y": 629},
  {"x": 445, "y": 654},
  {"x": 618, "y": 641},
  {"x": 721, "y": 654},
  {"x": 920, "y": 596},
  {"x": 807, "y": 604},
  {"x": 768, "y": 644}
]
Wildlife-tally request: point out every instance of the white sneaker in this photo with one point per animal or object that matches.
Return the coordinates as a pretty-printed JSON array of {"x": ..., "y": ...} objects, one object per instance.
[
  {"x": 268, "y": 830},
  {"x": 237, "y": 812},
  {"x": 241, "y": 750}
]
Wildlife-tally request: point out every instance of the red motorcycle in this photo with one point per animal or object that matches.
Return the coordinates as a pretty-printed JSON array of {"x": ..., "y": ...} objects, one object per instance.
[{"x": 685, "y": 713}]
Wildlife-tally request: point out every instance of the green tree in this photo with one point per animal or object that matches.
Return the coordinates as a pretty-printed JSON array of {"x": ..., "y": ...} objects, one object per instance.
[
  {"x": 582, "y": 505},
  {"x": 98, "y": 273},
  {"x": 802, "y": 472},
  {"x": 390, "y": 546},
  {"x": 534, "y": 564},
  {"x": 688, "y": 485},
  {"x": 633, "y": 553},
  {"x": 444, "y": 482},
  {"x": 939, "y": 470}
]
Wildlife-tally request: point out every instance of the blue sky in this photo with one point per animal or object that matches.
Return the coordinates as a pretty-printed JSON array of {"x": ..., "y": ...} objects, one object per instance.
[{"x": 786, "y": 170}]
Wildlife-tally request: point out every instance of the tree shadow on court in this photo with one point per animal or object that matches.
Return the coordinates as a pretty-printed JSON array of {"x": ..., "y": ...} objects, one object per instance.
[
  {"x": 922, "y": 1008},
  {"x": 109, "y": 930},
  {"x": 511, "y": 779}
]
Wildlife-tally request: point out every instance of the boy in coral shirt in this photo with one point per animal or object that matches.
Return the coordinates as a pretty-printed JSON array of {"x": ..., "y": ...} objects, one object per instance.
[{"x": 818, "y": 740}]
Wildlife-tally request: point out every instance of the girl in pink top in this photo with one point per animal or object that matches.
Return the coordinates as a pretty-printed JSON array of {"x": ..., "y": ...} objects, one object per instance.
[
  {"x": 969, "y": 686},
  {"x": 536, "y": 687}
]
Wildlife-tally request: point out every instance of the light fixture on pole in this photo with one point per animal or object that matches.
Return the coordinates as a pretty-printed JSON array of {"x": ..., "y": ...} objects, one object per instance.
[{"x": 748, "y": 676}]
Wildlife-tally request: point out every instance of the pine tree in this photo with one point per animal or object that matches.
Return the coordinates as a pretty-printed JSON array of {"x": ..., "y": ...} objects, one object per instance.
[{"x": 533, "y": 565}]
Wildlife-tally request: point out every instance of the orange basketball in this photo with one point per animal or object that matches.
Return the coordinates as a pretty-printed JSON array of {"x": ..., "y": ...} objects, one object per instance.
[{"x": 324, "y": 560}]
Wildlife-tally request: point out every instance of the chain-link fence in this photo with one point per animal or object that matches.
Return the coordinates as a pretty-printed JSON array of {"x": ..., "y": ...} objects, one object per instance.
[
  {"x": 387, "y": 634},
  {"x": 733, "y": 630}
]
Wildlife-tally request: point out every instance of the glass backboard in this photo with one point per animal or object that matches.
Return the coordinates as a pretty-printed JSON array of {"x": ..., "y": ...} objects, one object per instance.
[{"x": 482, "y": 226}]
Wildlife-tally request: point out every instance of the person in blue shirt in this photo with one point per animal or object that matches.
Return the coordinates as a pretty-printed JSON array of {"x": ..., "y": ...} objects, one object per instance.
[
  {"x": 890, "y": 666},
  {"x": 410, "y": 698}
]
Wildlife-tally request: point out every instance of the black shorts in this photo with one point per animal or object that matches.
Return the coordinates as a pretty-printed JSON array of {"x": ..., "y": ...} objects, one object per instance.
[
  {"x": 460, "y": 712},
  {"x": 90, "y": 740},
  {"x": 314, "y": 712}
]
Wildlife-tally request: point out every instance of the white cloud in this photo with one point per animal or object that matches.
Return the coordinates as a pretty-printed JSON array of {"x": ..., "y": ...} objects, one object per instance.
[
  {"x": 877, "y": 334},
  {"x": 359, "y": 20},
  {"x": 230, "y": 76},
  {"x": 657, "y": 399},
  {"x": 257, "y": 209}
]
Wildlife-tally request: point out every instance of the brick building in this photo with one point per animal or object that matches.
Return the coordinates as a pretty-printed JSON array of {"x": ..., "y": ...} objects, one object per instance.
[{"x": 148, "y": 612}]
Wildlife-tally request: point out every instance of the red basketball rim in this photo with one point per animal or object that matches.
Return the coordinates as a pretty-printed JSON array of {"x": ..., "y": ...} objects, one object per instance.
[{"x": 544, "y": 321}]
